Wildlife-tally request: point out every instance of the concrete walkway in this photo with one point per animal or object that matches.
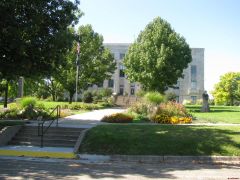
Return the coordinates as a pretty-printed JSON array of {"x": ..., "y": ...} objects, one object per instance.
[{"x": 88, "y": 119}]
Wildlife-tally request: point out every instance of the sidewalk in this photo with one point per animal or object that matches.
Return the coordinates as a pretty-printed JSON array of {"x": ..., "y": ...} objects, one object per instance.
[{"x": 88, "y": 119}]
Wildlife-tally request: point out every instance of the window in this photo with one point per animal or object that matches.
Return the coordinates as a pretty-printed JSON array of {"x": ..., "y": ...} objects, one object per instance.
[
  {"x": 194, "y": 99},
  {"x": 121, "y": 89},
  {"x": 132, "y": 90},
  {"x": 194, "y": 77},
  {"x": 122, "y": 55},
  {"x": 121, "y": 71},
  {"x": 110, "y": 83}
]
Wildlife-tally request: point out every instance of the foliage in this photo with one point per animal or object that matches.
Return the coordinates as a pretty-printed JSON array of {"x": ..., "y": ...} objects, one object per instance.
[
  {"x": 118, "y": 118},
  {"x": 170, "y": 96},
  {"x": 165, "y": 119},
  {"x": 154, "y": 97},
  {"x": 140, "y": 93},
  {"x": 28, "y": 101},
  {"x": 228, "y": 89},
  {"x": 87, "y": 97},
  {"x": 140, "y": 107},
  {"x": 158, "y": 57},
  {"x": 187, "y": 102},
  {"x": 33, "y": 35},
  {"x": 96, "y": 62}
]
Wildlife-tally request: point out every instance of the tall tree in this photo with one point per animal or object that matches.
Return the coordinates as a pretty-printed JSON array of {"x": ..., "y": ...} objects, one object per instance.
[
  {"x": 34, "y": 35},
  {"x": 96, "y": 62},
  {"x": 227, "y": 90},
  {"x": 158, "y": 57}
]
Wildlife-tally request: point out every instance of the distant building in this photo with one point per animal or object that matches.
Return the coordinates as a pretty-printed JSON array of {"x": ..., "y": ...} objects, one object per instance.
[{"x": 190, "y": 87}]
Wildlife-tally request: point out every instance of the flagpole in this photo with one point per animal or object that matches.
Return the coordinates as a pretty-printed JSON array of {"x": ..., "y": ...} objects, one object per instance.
[{"x": 77, "y": 64}]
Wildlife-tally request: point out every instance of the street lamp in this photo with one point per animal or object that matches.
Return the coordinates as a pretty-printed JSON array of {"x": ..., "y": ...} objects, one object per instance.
[{"x": 77, "y": 65}]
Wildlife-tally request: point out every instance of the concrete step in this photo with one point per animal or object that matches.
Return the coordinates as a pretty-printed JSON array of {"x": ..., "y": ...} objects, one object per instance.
[
  {"x": 36, "y": 138},
  {"x": 45, "y": 144},
  {"x": 48, "y": 133}
]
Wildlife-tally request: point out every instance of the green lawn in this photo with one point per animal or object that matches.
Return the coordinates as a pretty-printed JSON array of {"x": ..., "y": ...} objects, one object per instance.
[
  {"x": 218, "y": 114},
  {"x": 162, "y": 140}
]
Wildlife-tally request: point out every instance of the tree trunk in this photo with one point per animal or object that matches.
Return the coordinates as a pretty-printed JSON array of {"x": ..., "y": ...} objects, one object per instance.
[
  {"x": 53, "y": 96},
  {"x": 70, "y": 97},
  {"x": 231, "y": 101},
  {"x": 6, "y": 95}
]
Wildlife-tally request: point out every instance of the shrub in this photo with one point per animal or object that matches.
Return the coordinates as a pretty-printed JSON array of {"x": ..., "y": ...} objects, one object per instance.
[
  {"x": 79, "y": 106},
  {"x": 187, "y": 102},
  {"x": 87, "y": 97},
  {"x": 140, "y": 93},
  {"x": 154, "y": 97},
  {"x": 140, "y": 108},
  {"x": 170, "y": 113},
  {"x": 118, "y": 118},
  {"x": 170, "y": 96},
  {"x": 28, "y": 101}
]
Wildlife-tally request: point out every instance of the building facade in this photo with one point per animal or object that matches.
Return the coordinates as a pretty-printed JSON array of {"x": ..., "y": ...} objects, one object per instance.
[{"x": 190, "y": 88}]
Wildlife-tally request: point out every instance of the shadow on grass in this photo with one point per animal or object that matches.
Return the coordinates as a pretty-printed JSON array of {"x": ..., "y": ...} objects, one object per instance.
[{"x": 162, "y": 140}]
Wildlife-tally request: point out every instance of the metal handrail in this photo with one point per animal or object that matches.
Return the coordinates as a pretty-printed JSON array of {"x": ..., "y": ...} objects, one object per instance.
[{"x": 41, "y": 130}]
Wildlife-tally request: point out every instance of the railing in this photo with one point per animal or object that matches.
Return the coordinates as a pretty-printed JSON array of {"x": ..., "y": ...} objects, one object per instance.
[{"x": 41, "y": 129}]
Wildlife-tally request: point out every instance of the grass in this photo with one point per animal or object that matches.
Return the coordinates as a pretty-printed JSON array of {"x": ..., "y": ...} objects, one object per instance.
[
  {"x": 162, "y": 140},
  {"x": 218, "y": 114}
]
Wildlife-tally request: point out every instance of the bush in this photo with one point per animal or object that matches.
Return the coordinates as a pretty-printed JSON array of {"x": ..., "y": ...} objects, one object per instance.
[
  {"x": 170, "y": 96},
  {"x": 170, "y": 113},
  {"x": 87, "y": 97},
  {"x": 140, "y": 108},
  {"x": 118, "y": 118},
  {"x": 187, "y": 102},
  {"x": 28, "y": 101},
  {"x": 79, "y": 106},
  {"x": 154, "y": 97}
]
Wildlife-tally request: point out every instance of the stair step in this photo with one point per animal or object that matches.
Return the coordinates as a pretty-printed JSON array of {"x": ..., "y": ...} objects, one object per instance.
[
  {"x": 45, "y": 144},
  {"x": 49, "y": 133},
  {"x": 36, "y": 138}
]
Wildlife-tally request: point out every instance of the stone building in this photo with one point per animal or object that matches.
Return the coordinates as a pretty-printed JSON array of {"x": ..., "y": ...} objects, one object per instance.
[{"x": 190, "y": 87}]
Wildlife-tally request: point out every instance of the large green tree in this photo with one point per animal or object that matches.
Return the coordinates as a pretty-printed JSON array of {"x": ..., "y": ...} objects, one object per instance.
[
  {"x": 227, "y": 90},
  {"x": 95, "y": 62},
  {"x": 34, "y": 35},
  {"x": 158, "y": 57}
]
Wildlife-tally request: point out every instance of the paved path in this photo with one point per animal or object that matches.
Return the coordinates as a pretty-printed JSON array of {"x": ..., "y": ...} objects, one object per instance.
[
  {"x": 37, "y": 168},
  {"x": 88, "y": 119}
]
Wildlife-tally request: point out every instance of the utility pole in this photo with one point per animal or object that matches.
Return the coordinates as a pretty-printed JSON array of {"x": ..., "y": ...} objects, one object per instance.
[{"x": 77, "y": 64}]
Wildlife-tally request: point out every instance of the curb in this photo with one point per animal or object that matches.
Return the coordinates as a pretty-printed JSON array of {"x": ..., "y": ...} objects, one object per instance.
[{"x": 161, "y": 159}]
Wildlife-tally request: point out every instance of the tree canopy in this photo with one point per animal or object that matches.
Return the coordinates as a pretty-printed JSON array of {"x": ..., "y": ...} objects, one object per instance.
[
  {"x": 227, "y": 90},
  {"x": 33, "y": 35},
  {"x": 95, "y": 62},
  {"x": 158, "y": 57}
]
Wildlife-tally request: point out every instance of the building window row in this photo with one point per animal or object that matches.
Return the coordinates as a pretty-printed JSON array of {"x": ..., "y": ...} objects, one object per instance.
[{"x": 193, "y": 77}]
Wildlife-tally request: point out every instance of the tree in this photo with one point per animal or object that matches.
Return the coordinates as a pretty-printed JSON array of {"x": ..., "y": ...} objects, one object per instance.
[
  {"x": 34, "y": 35},
  {"x": 158, "y": 57},
  {"x": 96, "y": 62},
  {"x": 227, "y": 90}
]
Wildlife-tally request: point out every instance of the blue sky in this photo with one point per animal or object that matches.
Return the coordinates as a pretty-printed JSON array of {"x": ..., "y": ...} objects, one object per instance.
[{"x": 210, "y": 24}]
